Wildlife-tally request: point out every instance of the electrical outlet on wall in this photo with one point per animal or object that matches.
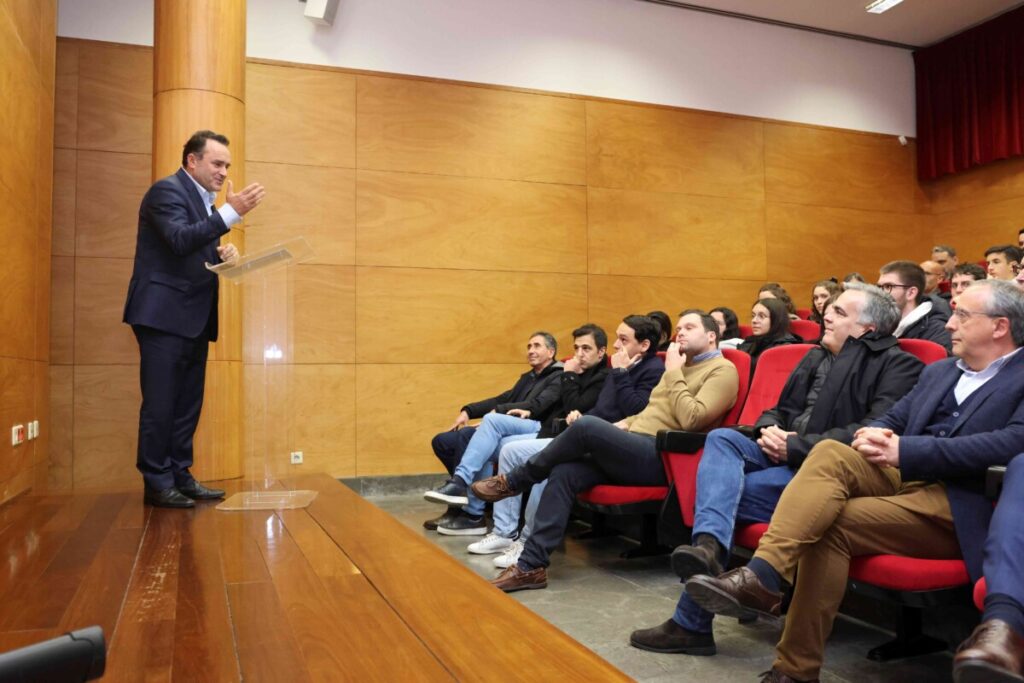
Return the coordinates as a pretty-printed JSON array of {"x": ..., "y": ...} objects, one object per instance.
[
  {"x": 296, "y": 457},
  {"x": 17, "y": 435}
]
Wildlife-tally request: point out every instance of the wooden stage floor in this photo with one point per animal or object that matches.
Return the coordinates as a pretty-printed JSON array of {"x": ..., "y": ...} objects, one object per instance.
[{"x": 339, "y": 591}]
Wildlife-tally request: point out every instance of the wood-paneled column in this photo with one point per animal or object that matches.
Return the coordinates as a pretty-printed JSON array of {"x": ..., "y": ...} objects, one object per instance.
[{"x": 199, "y": 83}]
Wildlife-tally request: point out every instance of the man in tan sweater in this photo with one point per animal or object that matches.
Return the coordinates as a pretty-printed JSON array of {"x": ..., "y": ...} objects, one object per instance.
[{"x": 698, "y": 388}]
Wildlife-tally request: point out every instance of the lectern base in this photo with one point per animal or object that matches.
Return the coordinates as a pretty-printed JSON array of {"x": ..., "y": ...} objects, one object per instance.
[{"x": 268, "y": 500}]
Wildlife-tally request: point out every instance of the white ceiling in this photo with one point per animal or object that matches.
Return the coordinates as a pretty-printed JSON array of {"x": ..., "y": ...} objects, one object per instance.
[{"x": 914, "y": 22}]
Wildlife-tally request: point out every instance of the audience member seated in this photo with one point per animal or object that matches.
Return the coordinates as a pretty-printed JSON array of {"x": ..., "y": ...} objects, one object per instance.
[
  {"x": 1003, "y": 262},
  {"x": 582, "y": 377},
  {"x": 773, "y": 290},
  {"x": 921, "y": 319},
  {"x": 963, "y": 275},
  {"x": 1020, "y": 239},
  {"x": 698, "y": 388},
  {"x": 770, "y": 325},
  {"x": 945, "y": 256},
  {"x": 515, "y": 414},
  {"x": 934, "y": 274},
  {"x": 820, "y": 293},
  {"x": 855, "y": 375},
  {"x": 995, "y": 651},
  {"x": 728, "y": 327},
  {"x": 635, "y": 371},
  {"x": 910, "y": 484},
  {"x": 665, "y": 325},
  {"x": 853, "y": 277}
]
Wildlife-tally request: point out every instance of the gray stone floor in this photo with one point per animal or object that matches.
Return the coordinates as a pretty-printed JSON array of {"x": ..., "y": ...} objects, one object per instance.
[{"x": 598, "y": 598}]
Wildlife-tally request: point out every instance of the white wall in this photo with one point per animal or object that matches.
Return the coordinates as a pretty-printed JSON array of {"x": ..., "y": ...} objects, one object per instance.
[{"x": 622, "y": 49}]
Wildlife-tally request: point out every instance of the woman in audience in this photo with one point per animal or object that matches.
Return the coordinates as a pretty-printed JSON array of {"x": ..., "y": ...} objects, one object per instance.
[
  {"x": 770, "y": 324},
  {"x": 820, "y": 293},
  {"x": 668, "y": 330},
  {"x": 773, "y": 290},
  {"x": 728, "y": 327}
]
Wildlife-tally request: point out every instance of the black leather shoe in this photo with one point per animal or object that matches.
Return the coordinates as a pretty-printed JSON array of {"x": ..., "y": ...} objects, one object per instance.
[
  {"x": 197, "y": 491},
  {"x": 168, "y": 498},
  {"x": 450, "y": 514},
  {"x": 452, "y": 492},
  {"x": 671, "y": 638}
]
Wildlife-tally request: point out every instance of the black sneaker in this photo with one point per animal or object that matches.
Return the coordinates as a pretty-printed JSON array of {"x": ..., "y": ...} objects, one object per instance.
[
  {"x": 449, "y": 514},
  {"x": 463, "y": 524},
  {"x": 452, "y": 492},
  {"x": 671, "y": 638}
]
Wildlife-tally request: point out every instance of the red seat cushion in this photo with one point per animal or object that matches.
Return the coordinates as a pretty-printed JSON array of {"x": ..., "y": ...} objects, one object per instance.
[
  {"x": 908, "y": 573},
  {"x": 748, "y": 535},
  {"x": 980, "y": 591},
  {"x": 623, "y": 495}
]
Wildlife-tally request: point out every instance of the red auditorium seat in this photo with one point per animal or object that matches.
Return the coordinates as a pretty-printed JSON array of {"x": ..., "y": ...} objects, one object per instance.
[
  {"x": 805, "y": 329},
  {"x": 746, "y": 331},
  {"x": 649, "y": 501},
  {"x": 927, "y": 351},
  {"x": 803, "y": 313}
]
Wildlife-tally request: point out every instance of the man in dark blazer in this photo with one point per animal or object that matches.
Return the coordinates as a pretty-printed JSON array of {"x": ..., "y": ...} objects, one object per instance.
[
  {"x": 172, "y": 308},
  {"x": 910, "y": 484}
]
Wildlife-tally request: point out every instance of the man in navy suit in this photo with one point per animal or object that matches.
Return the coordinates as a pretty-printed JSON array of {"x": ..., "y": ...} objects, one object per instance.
[
  {"x": 172, "y": 308},
  {"x": 910, "y": 484}
]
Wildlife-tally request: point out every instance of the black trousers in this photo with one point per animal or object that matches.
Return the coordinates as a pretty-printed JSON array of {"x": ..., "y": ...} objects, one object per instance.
[
  {"x": 172, "y": 372},
  {"x": 589, "y": 453},
  {"x": 449, "y": 447}
]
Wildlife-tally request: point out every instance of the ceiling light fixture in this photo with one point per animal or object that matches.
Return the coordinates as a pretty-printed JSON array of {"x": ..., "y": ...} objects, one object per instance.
[{"x": 879, "y": 6}]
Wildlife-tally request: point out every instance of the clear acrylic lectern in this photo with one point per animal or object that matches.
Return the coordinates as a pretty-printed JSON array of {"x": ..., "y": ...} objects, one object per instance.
[{"x": 267, "y": 344}]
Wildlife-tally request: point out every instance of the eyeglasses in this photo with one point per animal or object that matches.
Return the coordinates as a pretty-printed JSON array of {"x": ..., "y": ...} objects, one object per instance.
[
  {"x": 889, "y": 286},
  {"x": 962, "y": 314}
]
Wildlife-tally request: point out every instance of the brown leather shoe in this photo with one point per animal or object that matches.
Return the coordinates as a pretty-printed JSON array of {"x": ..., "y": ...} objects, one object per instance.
[
  {"x": 493, "y": 489},
  {"x": 776, "y": 676},
  {"x": 736, "y": 593},
  {"x": 994, "y": 653},
  {"x": 514, "y": 579}
]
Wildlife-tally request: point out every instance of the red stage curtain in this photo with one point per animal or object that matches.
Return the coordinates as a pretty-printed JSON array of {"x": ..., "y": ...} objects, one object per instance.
[{"x": 970, "y": 97}]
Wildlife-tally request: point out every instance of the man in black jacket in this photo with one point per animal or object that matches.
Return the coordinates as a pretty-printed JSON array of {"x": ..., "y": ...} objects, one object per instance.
[
  {"x": 515, "y": 414},
  {"x": 856, "y": 374},
  {"x": 921, "y": 317}
]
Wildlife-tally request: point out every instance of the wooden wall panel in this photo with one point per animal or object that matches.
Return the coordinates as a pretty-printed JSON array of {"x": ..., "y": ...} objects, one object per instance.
[
  {"x": 62, "y": 310},
  {"x": 115, "y": 98},
  {"x": 807, "y": 243},
  {"x": 667, "y": 150},
  {"x": 100, "y": 289},
  {"x": 974, "y": 229},
  {"x": 316, "y": 202},
  {"x": 61, "y": 427},
  {"x": 412, "y": 315},
  {"x": 402, "y": 406},
  {"x": 65, "y": 181},
  {"x": 444, "y": 222},
  {"x": 998, "y": 181},
  {"x": 612, "y": 298},
  {"x": 218, "y": 439},
  {"x": 65, "y": 129},
  {"x": 323, "y": 311},
  {"x": 806, "y": 165},
  {"x": 445, "y": 129},
  {"x": 16, "y": 407},
  {"x": 300, "y": 116},
  {"x": 675, "y": 235},
  {"x": 17, "y": 279},
  {"x": 106, "y": 419},
  {"x": 109, "y": 189},
  {"x": 35, "y": 24}
]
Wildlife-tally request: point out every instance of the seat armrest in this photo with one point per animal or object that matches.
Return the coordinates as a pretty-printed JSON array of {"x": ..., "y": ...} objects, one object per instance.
[
  {"x": 994, "y": 481},
  {"x": 746, "y": 430},
  {"x": 679, "y": 441}
]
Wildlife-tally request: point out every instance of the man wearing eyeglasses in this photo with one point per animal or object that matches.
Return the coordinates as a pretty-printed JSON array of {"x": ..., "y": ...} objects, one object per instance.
[
  {"x": 910, "y": 484},
  {"x": 921, "y": 317}
]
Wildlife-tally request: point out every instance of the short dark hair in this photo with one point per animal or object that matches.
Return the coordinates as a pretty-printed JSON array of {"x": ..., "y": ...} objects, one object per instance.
[
  {"x": 197, "y": 144},
  {"x": 1011, "y": 252},
  {"x": 549, "y": 340},
  {"x": 1020, "y": 232},
  {"x": 732, "y": 322},
  {"x": 661, "y": 317},
  {"x": 972, "y": 269},
  {"x": 944, "y": 247},
  {"x": 909, "y": 273},
  {"x": 595, "y": 331},
  {"x": 644, "y": 328}
]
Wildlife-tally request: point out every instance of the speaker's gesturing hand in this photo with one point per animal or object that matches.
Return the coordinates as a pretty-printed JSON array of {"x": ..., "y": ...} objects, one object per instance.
[{"x": 246, "y": 200}]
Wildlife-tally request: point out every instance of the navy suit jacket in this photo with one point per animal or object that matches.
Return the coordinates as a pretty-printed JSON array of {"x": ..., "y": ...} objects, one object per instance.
[
  {"x": 171, "y": 290},
  {"x": 989, "y": 431}
]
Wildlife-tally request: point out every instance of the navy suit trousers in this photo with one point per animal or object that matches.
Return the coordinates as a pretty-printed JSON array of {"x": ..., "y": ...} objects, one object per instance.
[{"x": 172, "y": 370}]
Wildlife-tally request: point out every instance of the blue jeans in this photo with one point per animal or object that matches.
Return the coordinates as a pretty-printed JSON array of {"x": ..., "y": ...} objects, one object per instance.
[
  {"x": 506, "y": 511},
  {"x": 495, "y": 431},
  {"x": 735, "y": 482}
]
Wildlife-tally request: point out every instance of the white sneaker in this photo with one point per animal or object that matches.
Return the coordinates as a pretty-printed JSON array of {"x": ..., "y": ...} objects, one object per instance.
[
  {"x": 510, "y": 556},
  {"x": 489, "y": 544}
]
